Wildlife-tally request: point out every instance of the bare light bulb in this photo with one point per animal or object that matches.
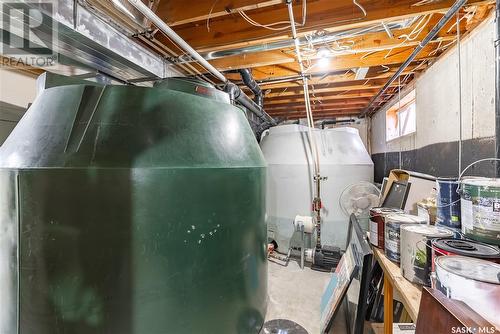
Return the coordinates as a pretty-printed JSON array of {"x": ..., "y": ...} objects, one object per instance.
[
  {"x": 323, "y": 62},
  {"x": 323, "y": 52}
]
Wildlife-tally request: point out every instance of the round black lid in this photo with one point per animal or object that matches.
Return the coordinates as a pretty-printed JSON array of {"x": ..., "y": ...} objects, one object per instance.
[{"x": 467, "y": 248}]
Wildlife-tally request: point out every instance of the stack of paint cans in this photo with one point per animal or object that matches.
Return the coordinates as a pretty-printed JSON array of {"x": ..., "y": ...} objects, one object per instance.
[
  {"x": 448, "y": 203},
  {"x": 377, "y": 222},
  {"x": 416, "y": 252},
  {"x": 393, "y": 224},
  {"x": 473, "y": 281},
  {"x": 469, "y": 269},
  {"x": 480, "y": 209}
]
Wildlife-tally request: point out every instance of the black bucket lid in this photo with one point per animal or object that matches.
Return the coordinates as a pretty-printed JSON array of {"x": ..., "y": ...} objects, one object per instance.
[
  {"x": 447, "y": 179},
  {"x": 467, "y": 248},
  {"x": 384, "y": 210}
]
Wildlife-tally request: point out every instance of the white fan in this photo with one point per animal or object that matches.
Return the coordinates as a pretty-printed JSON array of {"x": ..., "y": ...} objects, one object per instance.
[{"x": 359, "y": 198}]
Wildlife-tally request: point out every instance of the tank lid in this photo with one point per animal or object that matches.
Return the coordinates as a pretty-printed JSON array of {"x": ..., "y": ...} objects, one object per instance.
[
  {"x": 404, "y": 218},
  {"x": 467, "y": 248},
  {"x": 343, "y": 129},
  {"x": 193, "y": 86},
  {"x": 290, "y": 128},
  {"x": 482, "y": 182},
  {"x": 428, "y": 230},
  {"x": 287, "y": 128},
  {"x": 470, "y": 268}
]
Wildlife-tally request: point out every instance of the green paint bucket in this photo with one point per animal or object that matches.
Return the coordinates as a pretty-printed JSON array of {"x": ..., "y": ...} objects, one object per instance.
[{"x": 480, "y": 206}]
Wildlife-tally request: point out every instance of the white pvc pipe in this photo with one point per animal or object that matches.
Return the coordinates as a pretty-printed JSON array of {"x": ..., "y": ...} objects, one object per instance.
[
  {"x": 310, "y": 120},
  {"x": 147, "y": 12},
  {"x": 294, "y": 36}
]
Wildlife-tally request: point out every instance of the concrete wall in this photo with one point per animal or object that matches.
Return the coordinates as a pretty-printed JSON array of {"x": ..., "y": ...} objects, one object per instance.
[
  {"x": 434, "y": 148},
  {"x": 17, "y": 91}
]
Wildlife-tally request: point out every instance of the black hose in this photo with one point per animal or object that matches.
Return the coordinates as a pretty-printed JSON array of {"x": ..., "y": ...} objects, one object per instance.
[
  {"x": 334, "y": 121},
  {"x": 237, "y": 95}
]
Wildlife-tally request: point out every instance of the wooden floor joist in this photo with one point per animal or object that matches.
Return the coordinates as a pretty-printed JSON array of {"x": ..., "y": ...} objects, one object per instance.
[
  {"x": 325, "y": 15},
  {"x": 335, "y": 90},
  {"x": 356, "y": 102},
  {"x": 220, "y": 25}
]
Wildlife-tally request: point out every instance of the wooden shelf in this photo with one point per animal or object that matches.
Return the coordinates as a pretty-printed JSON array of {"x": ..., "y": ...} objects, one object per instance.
[{"x": 410, "y": 292}]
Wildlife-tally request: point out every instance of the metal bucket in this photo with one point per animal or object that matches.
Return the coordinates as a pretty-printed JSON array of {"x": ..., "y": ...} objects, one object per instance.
[
  {"x": 470, "y": 248},
  {"x": 377, "y": 221},
  {"x": 480, "y": 205},
  {"x": 416, "y": 252},
  {"x": 448, "y": 203},
  {"x": 476, "y": 282},
  {"x": 457, "y": 233},
  {"x": 393, "y": 224}
]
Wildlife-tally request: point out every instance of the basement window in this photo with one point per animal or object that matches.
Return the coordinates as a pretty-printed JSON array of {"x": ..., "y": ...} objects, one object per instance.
[{"x": 401, "y": 118}]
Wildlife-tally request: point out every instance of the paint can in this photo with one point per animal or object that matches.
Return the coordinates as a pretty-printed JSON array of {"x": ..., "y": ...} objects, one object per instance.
[
  {"x": 473, "y": 281},
  {"x": 416, "y": 252},
  {"x": 427, "y": 210},
  {"x": 392, "y": 227},
  {"x": 470, "y": 248},
  {"x": 480, "y": 206},
  {"x": 377, "y": 221},
  {"x": 457, "y": 233},
  {"x": 448, "y": 203}
]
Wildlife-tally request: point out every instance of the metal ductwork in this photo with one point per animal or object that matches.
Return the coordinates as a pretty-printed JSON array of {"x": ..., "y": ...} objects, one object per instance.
[
  {"x": 249, "y": 81},
  {"x": 315, "y": 39},
  {"x": 121, "y": 14},
  {"x": 91, "y": 43}
]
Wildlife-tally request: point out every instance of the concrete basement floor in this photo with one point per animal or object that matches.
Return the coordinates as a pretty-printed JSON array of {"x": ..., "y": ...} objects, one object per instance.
[{"x": 295, "y": 294}]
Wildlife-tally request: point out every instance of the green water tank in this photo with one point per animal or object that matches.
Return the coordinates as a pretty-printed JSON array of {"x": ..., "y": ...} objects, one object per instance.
[{"x": 132, "y": 210}]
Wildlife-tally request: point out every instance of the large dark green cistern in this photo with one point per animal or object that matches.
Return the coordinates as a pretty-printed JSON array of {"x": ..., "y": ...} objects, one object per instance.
[{"x": 128, "y": 210}]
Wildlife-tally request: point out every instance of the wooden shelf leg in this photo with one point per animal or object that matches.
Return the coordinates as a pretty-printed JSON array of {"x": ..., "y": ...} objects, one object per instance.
[{"x": 388, "y": 305}]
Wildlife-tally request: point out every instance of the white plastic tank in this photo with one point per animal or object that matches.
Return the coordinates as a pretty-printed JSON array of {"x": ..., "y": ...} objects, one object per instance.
[{"x": 344, "y": 160}]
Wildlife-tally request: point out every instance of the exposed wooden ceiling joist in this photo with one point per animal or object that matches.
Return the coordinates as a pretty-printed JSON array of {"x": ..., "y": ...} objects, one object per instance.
[
  {"x": 330, "y": 88},
  {"x": 232, "y": 30},
  {"x": 341, "y": 77},
  {"x": 345, "y": 62},
  {"x": 356, "y": 47},
  {"x": 326, "y": 106},
  {"x": 322, "y": 114},
  {"x": 322, "y": 97},
  {"x": 175, "y": 13},
  {"x": 354, "y": 101}
]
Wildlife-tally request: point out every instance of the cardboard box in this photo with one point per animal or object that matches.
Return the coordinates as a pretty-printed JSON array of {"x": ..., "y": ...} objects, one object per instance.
[{"x": 421, "y": 186}]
